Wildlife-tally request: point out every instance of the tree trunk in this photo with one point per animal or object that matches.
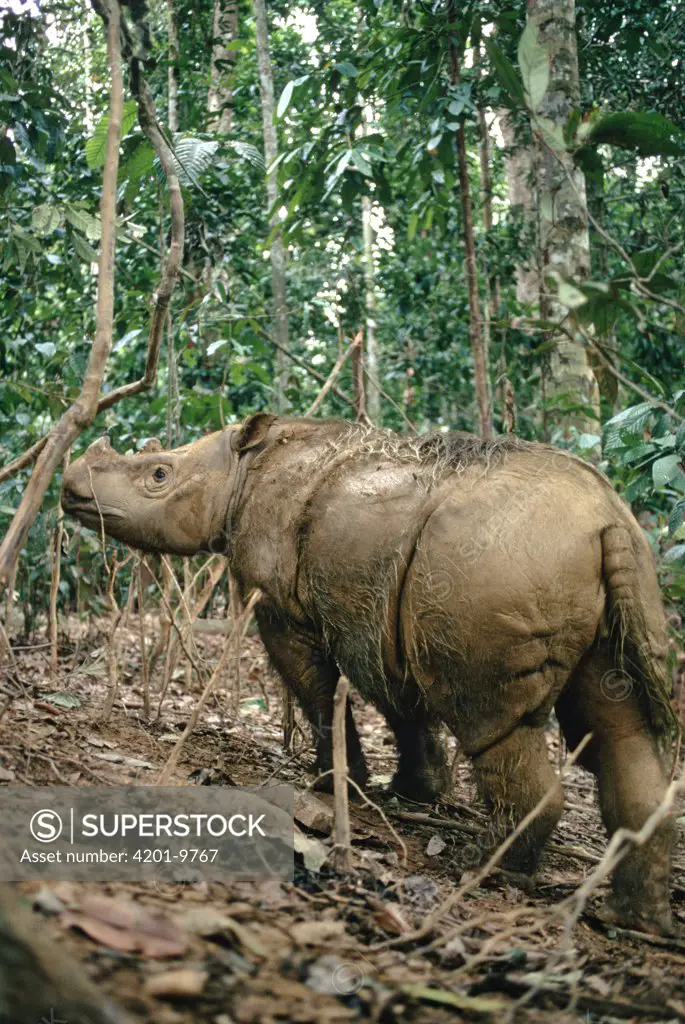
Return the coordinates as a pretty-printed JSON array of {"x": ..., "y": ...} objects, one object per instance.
[
  {"x": 173, "y": 71},
  {"x": 277, "y": 251},
  {"x": 220, "y": 92},
  {"x": 371, "y": 381},
  {"x": 480, "y": 368},
  {"x": 564, "y": 243}
]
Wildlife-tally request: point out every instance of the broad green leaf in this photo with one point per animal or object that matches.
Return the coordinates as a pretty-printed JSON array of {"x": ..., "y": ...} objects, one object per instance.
[
  {"x": 534, "y": 65},
  {"x": 45, "y": 219},
  {"x": 85, "y": 222},
  {"x": 192, "y": 157},
  {"x": 138, "y": 164},
  {"x": 83, "y": 249},
  {"x": 285, "y": 98},
  {"x": 96, "y": 146},
  {"x": 569, "y": 295},
  {"x": 346, "y": 69},
  {"x": 361, "y": 163},
  {"x": 552, "y": 133},
  {"x": 46, "y": 348},
  {"x": 506, "y": 72},
  {"x": 648, "y": 133},
  {"x": 664, "y": 470}
]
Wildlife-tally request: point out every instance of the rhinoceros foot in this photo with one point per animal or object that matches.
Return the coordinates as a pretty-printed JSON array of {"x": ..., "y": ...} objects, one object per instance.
[
  {"x": 423, "y": 786},
  {"x": 654, "y": 920}
]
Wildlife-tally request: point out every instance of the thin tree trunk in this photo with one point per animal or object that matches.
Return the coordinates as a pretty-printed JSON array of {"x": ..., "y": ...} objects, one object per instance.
[
  {"x": 480, "y": 368},
  {"x": 277, "y": 250},
  {"x": 81, "y": 413},
  {"x": 173, "y": 72},
  {"x": 372, "y": 384},
  {"x": 220, "y": 92},
  {"x": 564, "y": 242}
]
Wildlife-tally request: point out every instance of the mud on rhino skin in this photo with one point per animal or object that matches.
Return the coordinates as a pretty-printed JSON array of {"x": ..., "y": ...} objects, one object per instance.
[{"x": 475, "y": 584}]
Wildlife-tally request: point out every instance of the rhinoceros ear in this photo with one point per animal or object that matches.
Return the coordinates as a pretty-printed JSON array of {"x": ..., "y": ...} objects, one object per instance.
[
  {"x": 102, "y": 444},
  {"x": 253, "y": 431},
  {"x": 153, "y": 444}
]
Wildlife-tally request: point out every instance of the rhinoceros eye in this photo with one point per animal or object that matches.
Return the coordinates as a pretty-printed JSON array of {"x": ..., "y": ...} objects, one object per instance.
[{"x": 160, "y": 475}]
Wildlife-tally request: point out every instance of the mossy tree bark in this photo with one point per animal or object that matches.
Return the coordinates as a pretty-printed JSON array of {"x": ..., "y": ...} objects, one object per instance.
[{"x": 563, "y": 242}]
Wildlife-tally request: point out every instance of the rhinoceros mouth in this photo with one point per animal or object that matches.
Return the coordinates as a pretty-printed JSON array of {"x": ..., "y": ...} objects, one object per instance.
[{"x": 88, "y": 512}]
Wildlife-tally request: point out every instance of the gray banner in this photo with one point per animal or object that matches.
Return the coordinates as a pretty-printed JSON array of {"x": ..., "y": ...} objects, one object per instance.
[{"x": 145, "y": 833}]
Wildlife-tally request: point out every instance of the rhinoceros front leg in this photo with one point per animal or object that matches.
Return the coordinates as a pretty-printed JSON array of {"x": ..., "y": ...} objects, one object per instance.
[{"x": 312, "y": 676}]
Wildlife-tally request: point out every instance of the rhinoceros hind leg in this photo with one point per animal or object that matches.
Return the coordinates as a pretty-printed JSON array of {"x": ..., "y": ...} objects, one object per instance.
[
  {"x": 512, "y": 776},
  {"x": 423, "y": 773},
  {"x": 631, "y": 780}
]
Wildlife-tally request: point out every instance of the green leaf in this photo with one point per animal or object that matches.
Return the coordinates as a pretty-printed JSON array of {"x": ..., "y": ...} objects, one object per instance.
[
  {"x": 649, "y": 134},
  {"x": 138, "y": 164},
  {"x": 285, "y": 98},
  {"x": 534, "y": 65},
  {"x": 85, "y": 222},
  {"x": 664, "y": 470},
  {"x": 506, "y": 72},
  {"x": 192, "y": 157},
  {"x": 84, "y": 250},
  {"x": 47, "y": 348},
  {"x": 552, "y": 133},
  {"x": 361, "y": 163},
  {"x": 675, "y": 520},
  {"x": 346, "y": 69},
  {"x": 412, "y": 226},
  {"x": 45, "y": 219},
  {"x": 569, "y": 295},
  {"x": 96, "y": 146},
  {"x": 63, "y": 700}
]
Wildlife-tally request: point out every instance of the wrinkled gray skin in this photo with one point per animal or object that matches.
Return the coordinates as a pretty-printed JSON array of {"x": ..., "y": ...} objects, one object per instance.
[{"x": 479, "y": 585}]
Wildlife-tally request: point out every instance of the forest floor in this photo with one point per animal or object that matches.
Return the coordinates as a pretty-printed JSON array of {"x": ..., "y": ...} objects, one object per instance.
[{"x": 327, "y": 947}]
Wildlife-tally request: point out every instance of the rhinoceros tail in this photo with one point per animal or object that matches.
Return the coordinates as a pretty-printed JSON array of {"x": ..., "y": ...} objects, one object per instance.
[{"x": 637, "y": 621}]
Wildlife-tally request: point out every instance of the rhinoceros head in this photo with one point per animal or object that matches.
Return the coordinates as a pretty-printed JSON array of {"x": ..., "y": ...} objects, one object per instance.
[{"x": 174, "y": 501}]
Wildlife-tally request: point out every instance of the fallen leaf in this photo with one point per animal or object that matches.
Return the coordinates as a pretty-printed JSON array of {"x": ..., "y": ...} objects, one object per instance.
[
  {"x": 63, "y": 700},
  {"x": 390, "y": 920},
  {"x": 311, "y": 933},
  {"x": 127, "y": 927},
  {"x": 436, "y": 844},
  {"x": 185, "y": 983},
  {"x": 311, "y": 812},
  {"x": 313, "y": 851},
  {"x": 206, "y": 921}
]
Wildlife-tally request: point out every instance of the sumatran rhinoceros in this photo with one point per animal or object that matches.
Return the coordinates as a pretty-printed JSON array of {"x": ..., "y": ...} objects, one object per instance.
[{"x": 479, "y": 584}]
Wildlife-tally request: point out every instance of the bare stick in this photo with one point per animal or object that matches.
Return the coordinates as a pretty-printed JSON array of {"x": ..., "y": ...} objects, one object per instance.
[
  {"x": 55, "y": 568},
  {"x": 238, "y": 632},
  {"x": 141, "y": 637},
  {"x": 339, "y": 363},
  {"x": 341, "y": 853}
]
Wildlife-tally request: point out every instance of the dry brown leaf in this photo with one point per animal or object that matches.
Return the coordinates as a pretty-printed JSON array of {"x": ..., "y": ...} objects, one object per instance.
[
  {"x": 312, "y": 933},
  {"x": 390, "y": 920},
  {"x": 182, "y": 984},
  {"x": 128, "y": 927},
  {"x": 312, "y": 812}
]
